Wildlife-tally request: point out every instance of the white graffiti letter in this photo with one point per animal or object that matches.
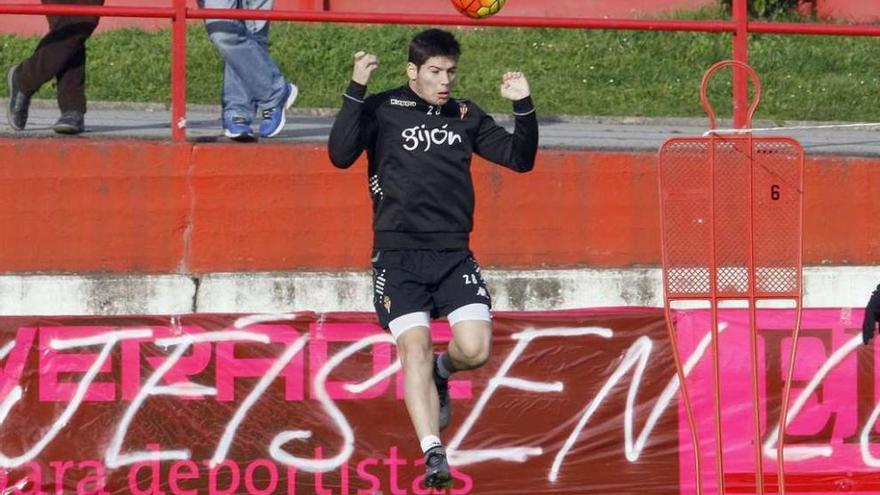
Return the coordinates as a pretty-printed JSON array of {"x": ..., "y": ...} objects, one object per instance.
[
  {"x": 113, "y": 457},
  {"x": 516, "y": 454},
  {"x": 109, "y": 340},
  {"x": 324, "y": 465},
  {"x": 803, "y": 453},
  {"x": 226, "y": 441},
  {"x": 637, "y": 356}
]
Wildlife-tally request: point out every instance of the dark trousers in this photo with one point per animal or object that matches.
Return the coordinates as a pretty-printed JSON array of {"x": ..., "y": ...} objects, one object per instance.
[{"x": 61, "y": 55}]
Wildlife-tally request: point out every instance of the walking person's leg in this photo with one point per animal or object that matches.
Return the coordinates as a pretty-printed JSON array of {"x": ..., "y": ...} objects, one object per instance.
[
  {"x": 273, "y": 90},
  {"x": 230, "y": 38},
  {"x": 251, "y": 78},
  {"x": 273, "y": 104},
  {"x": 67, "y": 34},
  {"x": 71, "y": 77}
]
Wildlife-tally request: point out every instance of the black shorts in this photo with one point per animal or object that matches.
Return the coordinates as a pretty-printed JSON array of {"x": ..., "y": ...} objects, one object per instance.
[{"x": 413, "y": 280}]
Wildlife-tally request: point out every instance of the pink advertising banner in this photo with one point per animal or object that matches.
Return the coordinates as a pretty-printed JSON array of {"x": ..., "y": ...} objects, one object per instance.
[
  {"x": 832, "y": 412},
  {"x": 578, "y": 402},
  {"x": 312, "y": 404}
]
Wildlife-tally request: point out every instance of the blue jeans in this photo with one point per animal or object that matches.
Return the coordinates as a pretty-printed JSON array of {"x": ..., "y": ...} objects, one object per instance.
[{"x": 251, "y": 80}]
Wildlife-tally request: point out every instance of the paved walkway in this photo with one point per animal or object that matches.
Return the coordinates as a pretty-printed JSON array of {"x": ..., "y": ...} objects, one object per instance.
[{"x": 151, "y": 121}]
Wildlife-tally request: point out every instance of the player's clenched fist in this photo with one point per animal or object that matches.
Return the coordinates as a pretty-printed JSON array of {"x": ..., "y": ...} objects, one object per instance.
[{"x": 364, "y": 65}]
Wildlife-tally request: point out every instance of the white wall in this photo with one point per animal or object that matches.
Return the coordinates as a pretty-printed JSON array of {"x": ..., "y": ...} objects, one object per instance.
[{"x": 350, "y": 291}]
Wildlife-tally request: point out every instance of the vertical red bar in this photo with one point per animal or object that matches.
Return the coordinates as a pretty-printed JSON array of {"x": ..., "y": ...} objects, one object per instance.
[
  {"x": 322, "y": 5},
  {"x": 795, "y": 336},
  {"x": 670, "y": 328},
  {"x": 753, "y": 319},
  {"x": 178, "y": 72},
  {"x": 741, "y": 54},
  {"x": 713, "y": 305}
]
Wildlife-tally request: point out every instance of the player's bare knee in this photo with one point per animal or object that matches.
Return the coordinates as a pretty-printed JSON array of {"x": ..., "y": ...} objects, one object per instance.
[
  {"x": 416, "y": 355},
  {"x": 474, "y": 356}
]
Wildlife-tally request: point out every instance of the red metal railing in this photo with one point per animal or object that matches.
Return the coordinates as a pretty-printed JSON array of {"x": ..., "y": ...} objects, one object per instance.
[{"x": 179, "y": 13}]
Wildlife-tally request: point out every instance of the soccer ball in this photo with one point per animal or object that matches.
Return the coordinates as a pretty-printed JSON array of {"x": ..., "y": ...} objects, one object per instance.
[{"x": 478, "y": 9}]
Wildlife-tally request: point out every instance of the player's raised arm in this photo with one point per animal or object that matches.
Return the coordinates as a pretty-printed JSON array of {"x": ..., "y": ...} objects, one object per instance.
[
  {"x": 515, "y": 151},
  {"x": 351, "y": 132}
]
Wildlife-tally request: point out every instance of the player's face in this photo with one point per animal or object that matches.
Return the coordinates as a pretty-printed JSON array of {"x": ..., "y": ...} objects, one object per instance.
[{"x": 433, "y": 81}]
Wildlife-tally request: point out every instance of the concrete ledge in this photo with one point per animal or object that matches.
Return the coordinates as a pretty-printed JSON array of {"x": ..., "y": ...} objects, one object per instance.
[
  {"x": 511, "y": 290},
  {"x": 282, "y": 292},
  {"x": 75, "y": 295},
  {"x": 273, "y": 292}
]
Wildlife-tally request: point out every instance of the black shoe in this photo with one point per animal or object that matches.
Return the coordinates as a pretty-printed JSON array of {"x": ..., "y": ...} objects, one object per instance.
[
  {"x": 437, "y": 469},
  {"x": 19, "y": 103},
  {"x": 443, "y": 394},
  {"x": 72, "y": 122}
]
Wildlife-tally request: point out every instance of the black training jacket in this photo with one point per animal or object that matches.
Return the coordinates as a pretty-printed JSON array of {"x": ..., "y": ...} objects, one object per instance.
[{"x": 419, "y": 160}]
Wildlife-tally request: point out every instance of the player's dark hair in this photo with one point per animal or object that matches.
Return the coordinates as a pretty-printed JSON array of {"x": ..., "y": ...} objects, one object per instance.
[{"x": 433, "y": 43}]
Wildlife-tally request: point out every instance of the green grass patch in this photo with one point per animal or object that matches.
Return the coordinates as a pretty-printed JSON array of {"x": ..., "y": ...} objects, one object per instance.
[{"x": 572, "y": 72}]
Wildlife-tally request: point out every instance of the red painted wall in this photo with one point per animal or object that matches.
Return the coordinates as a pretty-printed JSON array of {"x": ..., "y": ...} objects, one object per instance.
[{"x": 151, "y": 207}]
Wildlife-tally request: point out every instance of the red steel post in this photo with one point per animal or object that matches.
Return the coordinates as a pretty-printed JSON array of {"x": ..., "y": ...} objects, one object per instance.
[
  {"x": 178, "y": 72},
  {"x": 740, "y": 54}
]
